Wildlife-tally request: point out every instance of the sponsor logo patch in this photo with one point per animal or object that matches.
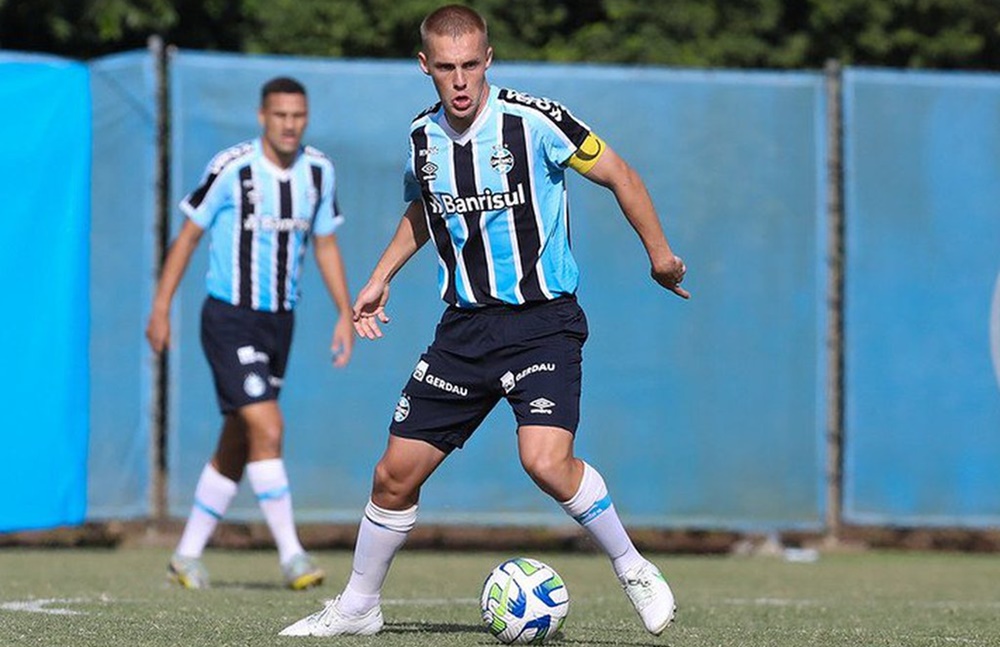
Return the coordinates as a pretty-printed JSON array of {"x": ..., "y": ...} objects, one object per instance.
[
  {"x": 271, "y": 223},
  {"x": 507, "y": 381},
  {"x": 250, "y": 355},
  {"x": 445, "y": 385},
  {"x": 444, "y": 203},
  {"x": 542, "y": 405},
  {"x": 549, "y": 107},
  {"x": 547, "y": 367}
]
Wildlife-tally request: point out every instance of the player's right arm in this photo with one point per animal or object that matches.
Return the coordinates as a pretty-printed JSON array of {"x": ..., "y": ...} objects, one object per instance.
[
  {"x": 174, "y": 266},
  {"x": 410, "y": 236}
]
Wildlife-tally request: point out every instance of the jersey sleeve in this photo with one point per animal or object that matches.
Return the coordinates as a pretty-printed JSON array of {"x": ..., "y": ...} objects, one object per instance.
[
  {"x": 209, "y": 198},
  {"x": 558, "y": 134},
  {"x": 329, "y": 217},
  {"x": 411, "y": 186}
]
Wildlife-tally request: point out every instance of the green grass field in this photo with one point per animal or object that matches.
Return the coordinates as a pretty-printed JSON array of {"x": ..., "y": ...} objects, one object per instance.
[{"x": 112, "y": 598}]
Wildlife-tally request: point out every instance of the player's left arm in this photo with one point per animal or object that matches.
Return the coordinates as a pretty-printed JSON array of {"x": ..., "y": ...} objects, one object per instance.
[
  {"x": 599, "y": 163},
  {"x": 331, "y": 267}
]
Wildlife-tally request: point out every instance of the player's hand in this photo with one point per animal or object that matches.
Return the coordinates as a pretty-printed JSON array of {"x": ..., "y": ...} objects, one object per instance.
[
  {"x": 343, "y": 341},
  {"x": 670, "y": 274},
  {"x": 158, "y": 331},
  {"x": 369, "y": 309}
]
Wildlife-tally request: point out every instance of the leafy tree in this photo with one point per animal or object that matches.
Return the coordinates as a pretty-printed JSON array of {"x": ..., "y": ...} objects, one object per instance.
[
  {"x": 907, "y": 33},
  {"x": 347, "y": 28},
  {"x": 784, "y": 34},
  {"x": 82, "y": 29}
]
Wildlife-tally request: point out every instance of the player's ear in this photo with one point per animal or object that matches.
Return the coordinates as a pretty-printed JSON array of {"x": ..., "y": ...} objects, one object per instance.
[
  {"x": 423, "y": 62},
  {"x": 260, "y": 116},
  {"x": 489, "y": 57}
]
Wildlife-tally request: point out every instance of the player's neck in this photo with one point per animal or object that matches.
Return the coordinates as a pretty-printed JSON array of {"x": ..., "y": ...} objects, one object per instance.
[{"x": 281, "y": 160}]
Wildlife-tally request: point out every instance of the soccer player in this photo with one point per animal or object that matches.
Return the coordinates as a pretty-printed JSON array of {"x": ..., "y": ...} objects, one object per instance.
[
  {"x": 486, "y": 185},
  {"x": 261, "y": 201}
]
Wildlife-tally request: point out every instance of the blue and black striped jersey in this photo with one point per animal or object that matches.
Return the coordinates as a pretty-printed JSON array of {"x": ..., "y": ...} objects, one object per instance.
[
  {"x": 260, "y": 218},
  {"x": 495, "y": 199}
]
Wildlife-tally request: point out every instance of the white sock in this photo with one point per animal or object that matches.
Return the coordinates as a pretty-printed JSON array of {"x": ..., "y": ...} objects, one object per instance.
[
  {"x": 270, "y": 484},
  {"x": 212, "y": 497},
  {"x": 591, "y": 507},
  {"x": 381, "y": 534}
]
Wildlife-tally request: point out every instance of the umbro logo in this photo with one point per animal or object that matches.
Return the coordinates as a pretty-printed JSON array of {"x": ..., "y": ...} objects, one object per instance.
[{"x": 542, "y": 405}]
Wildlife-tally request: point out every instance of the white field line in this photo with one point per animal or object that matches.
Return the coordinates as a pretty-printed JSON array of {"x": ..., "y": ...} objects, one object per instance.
[{"x": 42, "y": 606}]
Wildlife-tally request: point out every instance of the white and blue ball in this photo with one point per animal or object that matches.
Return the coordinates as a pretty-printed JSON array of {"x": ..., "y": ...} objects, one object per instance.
[{"x": 524, "y": 601}]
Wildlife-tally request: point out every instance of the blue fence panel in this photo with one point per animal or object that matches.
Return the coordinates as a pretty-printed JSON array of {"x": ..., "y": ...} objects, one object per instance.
[
  {"x": 706, "y": 413},
  {"x": 690, "y": 409},
  {"x": 122, "y": 271},
  {"x": 922, "y": 407},
  {"x": 44, "y": 180}
]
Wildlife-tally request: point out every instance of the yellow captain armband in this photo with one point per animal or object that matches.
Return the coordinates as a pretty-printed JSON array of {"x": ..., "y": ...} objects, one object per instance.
[{"x": 587, "y": 155}]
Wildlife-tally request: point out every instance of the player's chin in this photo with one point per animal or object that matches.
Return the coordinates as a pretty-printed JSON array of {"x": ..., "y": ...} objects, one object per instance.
[{"x": 461, "y": 108}]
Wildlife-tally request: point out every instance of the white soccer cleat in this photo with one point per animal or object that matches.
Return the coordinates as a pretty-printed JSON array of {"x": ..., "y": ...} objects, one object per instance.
[
  {"x": 651, "y": 596},
  {"x": 331, "y": 622}
]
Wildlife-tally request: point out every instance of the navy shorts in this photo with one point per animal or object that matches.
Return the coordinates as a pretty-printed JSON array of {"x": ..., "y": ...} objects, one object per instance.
[
  {"x": 247, "y": 350},
  {"x": 531, "y": 355}
]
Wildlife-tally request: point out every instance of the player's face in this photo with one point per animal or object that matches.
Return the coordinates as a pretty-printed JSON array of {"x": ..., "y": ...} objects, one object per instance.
[
  {"x": 283, "y": 117},
  {"x": 458, "y": 68}
]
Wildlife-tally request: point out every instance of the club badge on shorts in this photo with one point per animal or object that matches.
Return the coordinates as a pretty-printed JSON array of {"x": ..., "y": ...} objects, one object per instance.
[{"x": 402, "y": 409}]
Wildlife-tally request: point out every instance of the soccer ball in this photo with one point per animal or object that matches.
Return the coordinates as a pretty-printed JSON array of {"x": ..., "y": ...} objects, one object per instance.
[{"x": 523, "y": 601}]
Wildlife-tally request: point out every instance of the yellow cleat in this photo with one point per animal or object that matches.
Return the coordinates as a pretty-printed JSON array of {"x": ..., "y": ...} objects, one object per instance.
[{"x": 302, "y": 573}]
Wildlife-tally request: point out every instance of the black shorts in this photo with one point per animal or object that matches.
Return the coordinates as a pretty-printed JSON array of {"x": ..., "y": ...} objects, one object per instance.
[
  {"x": 247, "y": 350},
  {"x": 530, "y": 355}
]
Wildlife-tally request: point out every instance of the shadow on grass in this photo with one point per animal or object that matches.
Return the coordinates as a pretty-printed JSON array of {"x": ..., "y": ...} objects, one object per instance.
[
  {"x": 250, "y": 586},
  {"x": 485, "y": 638},
  {"x": 618, "y": 641},
  {"x": 435, "y": 628}
]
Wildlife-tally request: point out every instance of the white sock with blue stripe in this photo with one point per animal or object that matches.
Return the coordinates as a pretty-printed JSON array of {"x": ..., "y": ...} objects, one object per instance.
[
  {"x": 270, "y": 485},
  {"x": 381, "y": 534},
  {"x": 212, "y": 497},
  {"x": 591, "y": 507}
]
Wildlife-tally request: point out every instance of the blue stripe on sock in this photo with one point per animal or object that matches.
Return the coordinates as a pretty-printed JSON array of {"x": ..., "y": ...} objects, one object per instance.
[
  {"x": 276, "y": 493},
  {"x": 594, "y": 511},
  {"x": 207, "y": 510}
]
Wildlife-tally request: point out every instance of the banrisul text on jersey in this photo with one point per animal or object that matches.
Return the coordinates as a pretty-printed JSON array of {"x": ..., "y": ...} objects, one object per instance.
[{"x": 495, "y": 199}]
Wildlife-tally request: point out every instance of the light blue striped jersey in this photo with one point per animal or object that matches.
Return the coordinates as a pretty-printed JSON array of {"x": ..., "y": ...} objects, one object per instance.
[
  {"x": 260, "y": 217},
  {"x": 495, "y": 199}
]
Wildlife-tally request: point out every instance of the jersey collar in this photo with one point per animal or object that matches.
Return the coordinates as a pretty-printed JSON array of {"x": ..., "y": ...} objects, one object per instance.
[
  {"x": 464, "y": 138},
  {"x": 281, "y": 174}
]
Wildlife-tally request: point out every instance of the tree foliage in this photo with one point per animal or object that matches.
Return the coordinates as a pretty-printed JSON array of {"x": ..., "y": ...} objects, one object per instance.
[{"x": 783, "y": 34}]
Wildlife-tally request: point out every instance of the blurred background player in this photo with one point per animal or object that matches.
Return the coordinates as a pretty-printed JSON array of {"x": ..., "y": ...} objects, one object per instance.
[
  {"x": 261, "y": 201},
  {"x": 486, "y": 183}
]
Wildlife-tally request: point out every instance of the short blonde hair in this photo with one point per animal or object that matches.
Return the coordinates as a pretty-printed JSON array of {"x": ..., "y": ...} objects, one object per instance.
[{"x": 452, "y": 20}]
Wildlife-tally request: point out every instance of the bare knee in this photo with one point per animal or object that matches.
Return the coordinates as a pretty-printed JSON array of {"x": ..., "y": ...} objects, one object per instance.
[
  {"x": 555, "y": 474},
  {"x": 265, "y": 429},
  {"x": 391, "y": 490},
  {"x": 540, "y": 466}
]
